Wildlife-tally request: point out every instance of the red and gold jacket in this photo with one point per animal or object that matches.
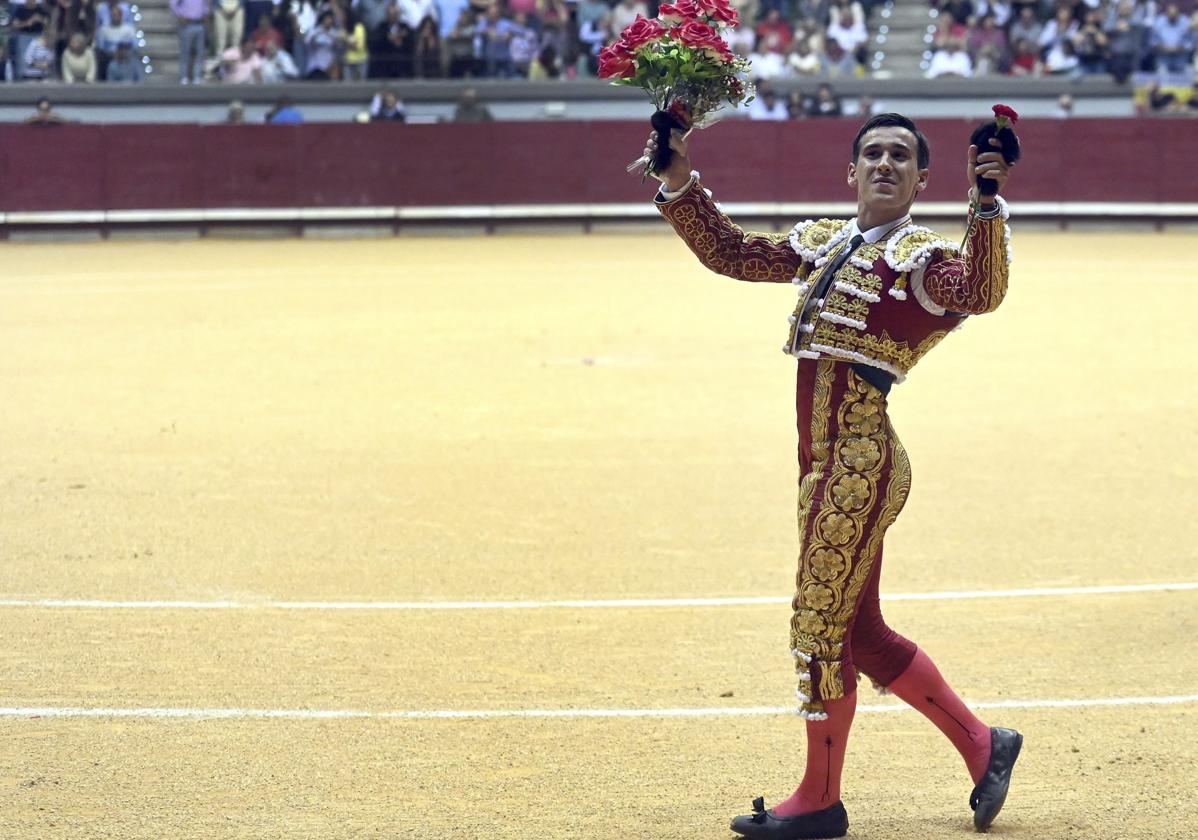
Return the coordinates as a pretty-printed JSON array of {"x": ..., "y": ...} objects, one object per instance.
[{"x": 891, "y": 303}]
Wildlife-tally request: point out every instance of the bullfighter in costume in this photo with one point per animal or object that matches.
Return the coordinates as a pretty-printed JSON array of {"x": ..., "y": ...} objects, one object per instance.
[{"x": 875, "y": 294}]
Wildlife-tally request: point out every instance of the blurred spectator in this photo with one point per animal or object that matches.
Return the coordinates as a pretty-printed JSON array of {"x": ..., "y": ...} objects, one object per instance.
[
  {"x": 114, "y": 30},
  {"x": 773, "y": 24},
  {"x": 524, "y": 43},
  {"x": 1026, "y": 59},
  {"x": 284, "y": 112},
  {"x": 236, "y": 113},
  {"x": 448, "y": 12},
  {"x": 357, "y": 56},
  {"x": 1061, "y": 58},
  {"x": 44, "y": 114},
  {"x": 987, "y": 48},
  {"x": 27, "y": 23},
  {"x": 590, "y": 11},
  {"x": 741, "y": 40},
  {"x": 959, "y": 10},
  {"x": 554, "y": 45},
  {"x": 286, "y": 19},
  {"x": 1172, "y": 40},
  {"x": 1124, "y": 41},
  {"x": 390, "y": 53},
  {"x": 866, "y": 107},
  {"x": 496, "y": 33},
  {"x": 228, "y": 24},
  {"x": 277, "y": 65},
  {"x": 1000, "y": 10},
  {"x": 190, "y": 15},
  {"x": 372, "y": 12},
  {"x": 1064, "y": 107},
  {"x": 625, "y": 12},
  {"x": 459, "y": 47},
  {"x": 1192, "y": 102},
  {"x": 105, "y": 9},
  {"x": 469, "y": 109},
  {"x": 78, "y": 61},
  {"x": 802, "y": 60},
  {"x": 385, "y": 106},
  {"x": 1160, "y": 101},
  {"x": 266, "y": 33},
  {"x": 71, "y": 17},
  {"x": 324, "y": 46},
  {"x": 420, "y": 16},
  {"x": 123, "y": 66},
  {"x": 767, "y": 105},
  {"x": 39, "y": 59},
  {"x": 241, "y": 65},
  {"x": 826, "y": 104},
  {"x": 767, "y": 60},
  {"x": 593, "y": 35},
  {"x": 849, "y": 36},
  {"x": 1026, "y": 27},
  {"x": 1058, "y": 30},
  {"x": 797, "y": 105},
  {"x": 950, "y": 61},
  {"x": 1091, "y": 44}
]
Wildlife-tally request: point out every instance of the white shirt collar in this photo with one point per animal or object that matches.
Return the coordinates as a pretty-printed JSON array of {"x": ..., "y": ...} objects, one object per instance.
[{"x": 881, "y": 231}]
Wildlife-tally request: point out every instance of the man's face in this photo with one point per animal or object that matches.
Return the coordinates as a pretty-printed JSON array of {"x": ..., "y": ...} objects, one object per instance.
[{"x": 886, "y": 173}]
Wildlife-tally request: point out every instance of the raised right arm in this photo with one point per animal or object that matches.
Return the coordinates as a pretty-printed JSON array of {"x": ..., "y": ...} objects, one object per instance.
[{"x": 722, "y": 246}]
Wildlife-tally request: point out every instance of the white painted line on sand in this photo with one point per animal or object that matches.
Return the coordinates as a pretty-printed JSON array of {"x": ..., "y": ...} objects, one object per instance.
[
  {"x": 475, "y": 714},
  {"x": 1037, "y": 592}
]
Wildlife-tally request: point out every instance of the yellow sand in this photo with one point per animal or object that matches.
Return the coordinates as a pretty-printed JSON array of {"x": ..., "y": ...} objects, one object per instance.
[{"x": 564, "y": 418}]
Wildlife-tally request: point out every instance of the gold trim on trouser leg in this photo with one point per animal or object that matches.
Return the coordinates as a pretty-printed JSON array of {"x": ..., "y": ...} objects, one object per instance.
[{"x": 840, "y": 544}]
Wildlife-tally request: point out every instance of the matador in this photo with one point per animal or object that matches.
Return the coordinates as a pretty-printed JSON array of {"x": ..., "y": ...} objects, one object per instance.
[{"x": 875, "y": 294}]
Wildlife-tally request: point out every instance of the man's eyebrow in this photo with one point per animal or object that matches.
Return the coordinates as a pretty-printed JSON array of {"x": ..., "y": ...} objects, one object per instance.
[{"x": 878, "y": 143}]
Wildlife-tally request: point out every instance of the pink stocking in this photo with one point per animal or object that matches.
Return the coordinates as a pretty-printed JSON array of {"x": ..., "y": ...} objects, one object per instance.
[{"x": 826, "y": 742}]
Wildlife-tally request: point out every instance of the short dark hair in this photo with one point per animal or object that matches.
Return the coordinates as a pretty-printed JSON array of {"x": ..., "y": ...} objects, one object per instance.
[{"x": 923, "y": 154}]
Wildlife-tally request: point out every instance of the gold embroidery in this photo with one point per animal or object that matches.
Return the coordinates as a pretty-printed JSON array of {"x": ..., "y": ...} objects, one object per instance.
[
  {"x": 818, "y": 233},
  {"x": 725, "y": 248},
  {"x": 865, "y": 281},
  {"x": 824, "y": 601},
  {"x": 919, "y": 239}
]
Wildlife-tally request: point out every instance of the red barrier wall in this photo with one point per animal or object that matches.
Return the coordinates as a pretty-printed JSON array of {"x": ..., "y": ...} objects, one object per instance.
[{"x": 110, "y": 167}]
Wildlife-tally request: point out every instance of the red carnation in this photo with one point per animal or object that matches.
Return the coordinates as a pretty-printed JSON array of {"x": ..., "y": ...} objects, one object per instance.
[
  {"x": 616, "y": 61},
  {"x": 641, "y": 31},
  {"x": 696, "y": 33},
  {"x": 680, "y": 11},
  {"x": 721, "y": 10},
  {"x": 1006, "y": 111}
]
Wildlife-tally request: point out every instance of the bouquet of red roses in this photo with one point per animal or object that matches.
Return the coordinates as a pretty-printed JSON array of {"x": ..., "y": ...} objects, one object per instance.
[{"x": 683, "y": 62}]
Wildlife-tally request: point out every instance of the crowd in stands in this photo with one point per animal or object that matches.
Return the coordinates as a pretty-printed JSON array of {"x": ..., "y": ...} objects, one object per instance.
[
  {"x": 1069, "y": 38},
  {"x": 248, "y": 41},
  {"x": 534, "y": 39},
  {"x": 70, "y": 40}
]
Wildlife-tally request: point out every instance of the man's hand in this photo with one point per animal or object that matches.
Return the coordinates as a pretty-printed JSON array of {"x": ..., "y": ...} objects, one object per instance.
[
  {"x": 987, "y": 165},
  {"x": 678, "y": 173}
]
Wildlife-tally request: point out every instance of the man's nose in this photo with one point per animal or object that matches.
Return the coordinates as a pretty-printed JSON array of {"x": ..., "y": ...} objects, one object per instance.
[{"x": 884, "y": 164}]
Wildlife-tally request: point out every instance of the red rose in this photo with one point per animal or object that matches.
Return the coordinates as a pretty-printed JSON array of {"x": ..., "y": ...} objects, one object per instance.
[
  {"x": 720, "y": 10},
  {"x": 641, "y": 31},
  {"x": 680, "y": 11},
  {"x": 616, "y": 61},
  {"x": 696, "y": 33},
  {"x": 1006, "y": 111}
]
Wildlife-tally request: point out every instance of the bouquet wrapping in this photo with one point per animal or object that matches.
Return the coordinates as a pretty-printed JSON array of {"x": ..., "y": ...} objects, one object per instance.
[{"x": 681, "y": 60}]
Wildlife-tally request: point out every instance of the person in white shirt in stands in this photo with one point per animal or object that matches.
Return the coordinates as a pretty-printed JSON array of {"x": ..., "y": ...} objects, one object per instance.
[
  {"x": 277, "y": 65},
  {"x": 767, "y": 60},
  {"x": 767, "y": 105},
  {"x": 847, "y": 34},
  {"x": 951, "y": 61}
]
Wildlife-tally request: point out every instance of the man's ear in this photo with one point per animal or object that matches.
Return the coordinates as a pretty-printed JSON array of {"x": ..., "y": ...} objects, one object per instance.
[
  {"x": 922, "y": 183},
  {"x": 852, "y": 177}
]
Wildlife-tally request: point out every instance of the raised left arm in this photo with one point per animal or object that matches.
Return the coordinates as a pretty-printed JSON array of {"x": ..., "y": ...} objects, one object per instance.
[{"x": 976, "y": 281}]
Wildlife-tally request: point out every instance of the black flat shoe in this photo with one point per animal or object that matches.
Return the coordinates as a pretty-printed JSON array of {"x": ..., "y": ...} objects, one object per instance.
[
  {"x": 833, "y": 821},
  {"x": 991, "y": 792}
]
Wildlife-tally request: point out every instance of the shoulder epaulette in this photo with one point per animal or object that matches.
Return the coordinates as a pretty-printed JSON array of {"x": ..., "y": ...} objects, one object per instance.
[
  {"x": 814, "y": 238},
  {"x": 912, "y": 247}
]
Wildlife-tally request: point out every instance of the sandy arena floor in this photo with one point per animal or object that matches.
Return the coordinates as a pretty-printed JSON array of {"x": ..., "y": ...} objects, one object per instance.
[{"x": 230, "y": 468}]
